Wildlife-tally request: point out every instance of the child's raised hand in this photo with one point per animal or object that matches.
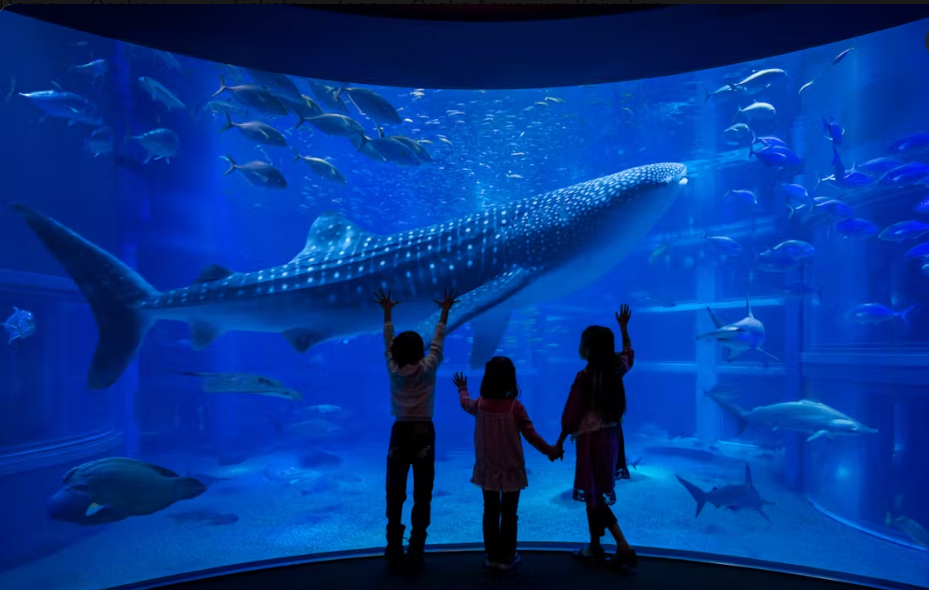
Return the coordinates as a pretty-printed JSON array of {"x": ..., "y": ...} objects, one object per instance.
[
  {"x": 384, "y": 301},
  {"x": 623, "y": 315},
  {"x": 448, "y": 299},
  {"x": 460, "y": 381}
]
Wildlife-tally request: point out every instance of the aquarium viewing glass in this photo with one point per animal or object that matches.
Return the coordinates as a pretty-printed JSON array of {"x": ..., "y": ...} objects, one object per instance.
[{"x": 802, "y": 223}]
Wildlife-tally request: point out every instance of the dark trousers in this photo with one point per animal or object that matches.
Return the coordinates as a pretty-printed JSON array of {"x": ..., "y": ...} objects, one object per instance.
[
  {"x": 599, "y": 518},
  {"x": 500, "y": 525},
  {"x": 412, "y": 444}
]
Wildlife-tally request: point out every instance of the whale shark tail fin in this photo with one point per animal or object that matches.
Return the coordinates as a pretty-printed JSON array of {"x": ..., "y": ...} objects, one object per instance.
[{"x": 114, "y": 291}]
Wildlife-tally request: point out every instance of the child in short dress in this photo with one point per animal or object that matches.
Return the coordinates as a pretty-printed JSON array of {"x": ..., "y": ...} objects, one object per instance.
[
  {"x": 593, "y": 418},
  {"x": 499, "y": 466}
]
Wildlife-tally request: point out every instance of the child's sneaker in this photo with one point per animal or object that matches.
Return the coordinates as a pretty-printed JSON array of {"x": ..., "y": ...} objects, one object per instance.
[{"x": 508, "y": 565}]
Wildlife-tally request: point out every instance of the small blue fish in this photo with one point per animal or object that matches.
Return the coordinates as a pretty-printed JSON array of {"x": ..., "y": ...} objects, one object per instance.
[
  {"x": 832, "y": 207},
  {"x": 96, "y": 69},
  {"x": 856, "y": 228},
  {"x": 771, "y": 141},
  {"x": 775, "y": 155},
  {"x": 20, "y": 325},
  {"x": 843, "y": 178},
  {"x": 905, "y": 230},
  {"x": 747, "y": 197},
  {"x": 776, "y": 261},
  {"x": 875, "y": 313},
  {"x": 795, "y": 249},
  {"x": 838, "y": 59},
  {"x": 833, "y": 130},
  {"x": 909, "y": 174},
  {"x": 65, "y": 105},
  {"x": 915, "y": 142},
  {"x": 920, "y": 251},
  {"x": 726, "y": 245},
  {"x": 797, "y": 198},
  {"x": 879, "y": 166}
]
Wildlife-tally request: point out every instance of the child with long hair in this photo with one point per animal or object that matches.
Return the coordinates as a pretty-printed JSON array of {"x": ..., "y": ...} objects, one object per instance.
[
  {"x": 499, "y": 466},
  {"x": 412, "y": 437},
  {"x": 593, "y": 419}
]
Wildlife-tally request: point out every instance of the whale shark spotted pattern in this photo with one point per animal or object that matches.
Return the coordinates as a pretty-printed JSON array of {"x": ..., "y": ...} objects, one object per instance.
[{"x": 523, "y": 253}]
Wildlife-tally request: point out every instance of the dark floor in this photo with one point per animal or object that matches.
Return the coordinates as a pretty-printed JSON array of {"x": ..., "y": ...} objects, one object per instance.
[{"x": 539, "y": 570}]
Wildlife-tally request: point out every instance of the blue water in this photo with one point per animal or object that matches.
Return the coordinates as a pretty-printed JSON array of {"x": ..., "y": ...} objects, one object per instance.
[{"x": 289, "y": 477}]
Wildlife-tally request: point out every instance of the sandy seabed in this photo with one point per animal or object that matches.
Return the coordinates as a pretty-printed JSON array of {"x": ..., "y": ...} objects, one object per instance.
[{"x": 342, "y": 507}]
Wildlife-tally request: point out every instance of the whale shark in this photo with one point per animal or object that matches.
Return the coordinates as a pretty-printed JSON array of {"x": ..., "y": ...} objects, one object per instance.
[
  {"x": 500, "y": 259},
  {"x": 737, "y": 337}
]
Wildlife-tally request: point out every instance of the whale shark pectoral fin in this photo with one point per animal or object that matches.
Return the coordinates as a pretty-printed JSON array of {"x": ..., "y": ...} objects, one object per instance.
[
  {"x": 302, "y": 339},
  {"x": 488, "y": 330},
  {"x": 203, "y": 333},
  {"x": 482, "y": 300},
  {"x": 329, "y": 231}
]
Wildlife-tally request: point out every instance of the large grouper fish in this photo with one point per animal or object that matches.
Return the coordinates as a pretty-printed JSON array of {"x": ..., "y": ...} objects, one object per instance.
[
  {"x": 115, "y": 488},
  {"x": 503, "y": 258}
]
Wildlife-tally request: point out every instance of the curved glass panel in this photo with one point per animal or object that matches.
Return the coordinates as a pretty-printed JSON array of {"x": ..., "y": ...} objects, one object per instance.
[{"x": 206, "y": 180}]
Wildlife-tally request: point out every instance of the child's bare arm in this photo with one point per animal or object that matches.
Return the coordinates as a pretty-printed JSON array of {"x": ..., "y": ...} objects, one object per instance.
[
  {"x": 529, "y": 432},
  {"x": 387, "y": 305},
  {"x": 627, "y": 356},
  {"x": 435, "y": 358},
  {"x": 467, "y": 404}
]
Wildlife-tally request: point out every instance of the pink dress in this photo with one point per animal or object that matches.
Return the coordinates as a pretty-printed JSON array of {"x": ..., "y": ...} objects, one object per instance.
[
  {"x": 601, "y": 452},
  {"x": 499, "y": 463}
]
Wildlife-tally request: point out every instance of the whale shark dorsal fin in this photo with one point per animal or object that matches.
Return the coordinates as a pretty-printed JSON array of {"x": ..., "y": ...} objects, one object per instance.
[
  {"x": 213, "y": 272},
  {"x": 330, "y": 230},
  {"x": 748, "y": 308},
  {"x": 748, "y": 475}
]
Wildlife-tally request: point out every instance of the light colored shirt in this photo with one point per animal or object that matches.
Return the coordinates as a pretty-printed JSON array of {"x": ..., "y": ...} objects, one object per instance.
[
  {"x": 412, "y": 387},
  {"x": 499, "y": 464}
]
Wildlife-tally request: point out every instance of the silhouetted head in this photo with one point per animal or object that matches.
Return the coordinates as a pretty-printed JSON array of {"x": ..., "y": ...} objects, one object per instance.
[
  {"x": 597, "y": 344},
  {"x": 499, "y": 379},
  {"x": 407, "y": 349}
]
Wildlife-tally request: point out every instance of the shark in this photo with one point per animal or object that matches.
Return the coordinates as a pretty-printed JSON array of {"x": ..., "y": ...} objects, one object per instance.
[
  {"x": 500, "y": 259},
  {"x": 738, "y": 337},
  {"x": 731, "y": 496},
  {"x": 808, "y": 416}
]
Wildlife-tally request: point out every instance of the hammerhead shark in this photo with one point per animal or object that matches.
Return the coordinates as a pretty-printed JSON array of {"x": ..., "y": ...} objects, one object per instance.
[{"x": 731, "y": 496}]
